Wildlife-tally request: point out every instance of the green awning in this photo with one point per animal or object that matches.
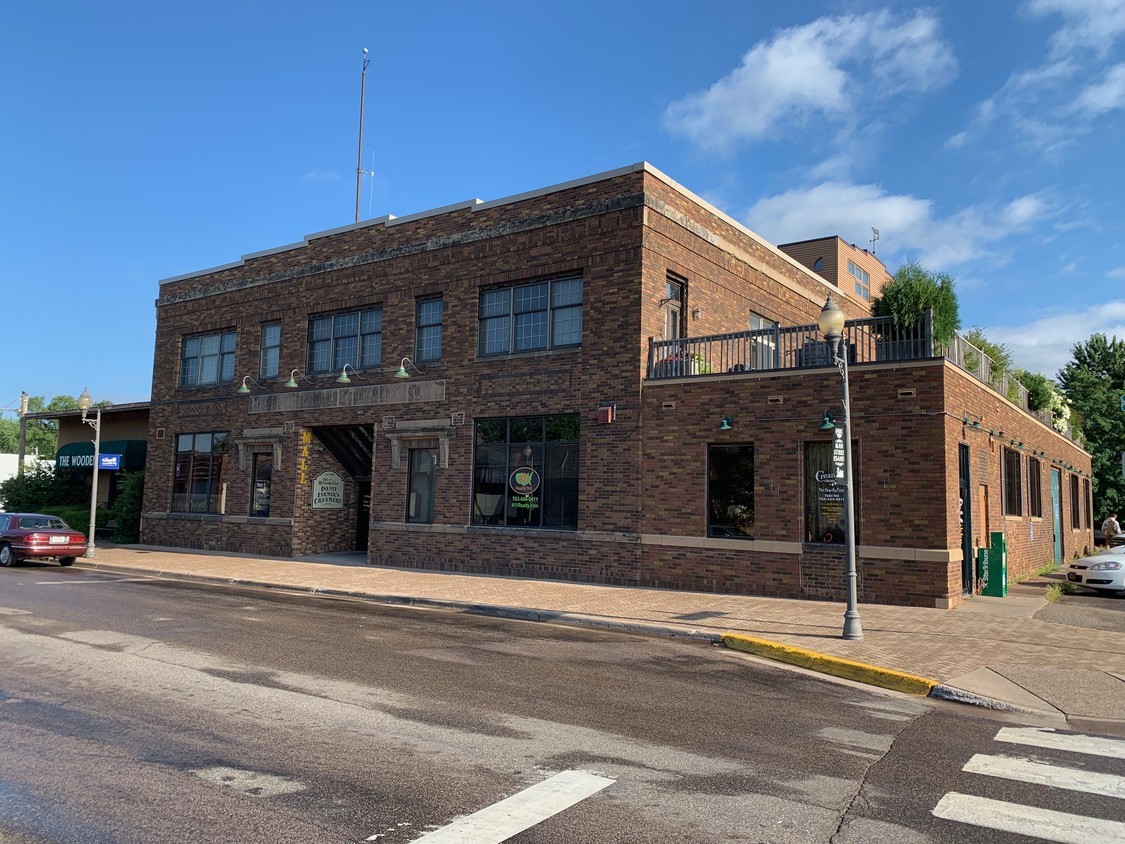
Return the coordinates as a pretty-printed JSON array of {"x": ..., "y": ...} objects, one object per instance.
[{"x": 80, "y": 455}]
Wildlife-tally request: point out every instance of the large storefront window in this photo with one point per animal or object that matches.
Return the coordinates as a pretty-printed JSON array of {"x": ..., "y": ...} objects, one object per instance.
[
  {"x": 198, "y": 472},
  {"x": 824, "y": 499},
  {"x": 730, "y": 491},
  {"x": 525, "y": 472}
]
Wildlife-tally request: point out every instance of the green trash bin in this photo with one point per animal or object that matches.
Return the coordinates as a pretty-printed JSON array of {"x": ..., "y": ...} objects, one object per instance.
[{"x": 994, "y": 583}]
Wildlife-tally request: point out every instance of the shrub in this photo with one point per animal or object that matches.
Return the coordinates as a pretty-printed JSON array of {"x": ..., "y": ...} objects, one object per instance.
[
  {"x": 40, "y": 487},
  {"x": 127, "y": 506}
]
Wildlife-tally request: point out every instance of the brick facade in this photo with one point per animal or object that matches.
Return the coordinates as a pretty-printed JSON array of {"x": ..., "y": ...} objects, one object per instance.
[{"x": 642, "y": 500}]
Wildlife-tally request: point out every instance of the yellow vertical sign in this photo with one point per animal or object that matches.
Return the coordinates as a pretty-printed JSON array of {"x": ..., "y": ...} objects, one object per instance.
[{"x": 303, "y": 459}]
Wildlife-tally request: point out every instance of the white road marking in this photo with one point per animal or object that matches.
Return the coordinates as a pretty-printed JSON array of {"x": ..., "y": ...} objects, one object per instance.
[
  {"x": 1025, "y": 770},
  {"x": 521, "y": 811},
  {"x": 88, "y": 582},
  {"x": 1028, "y": 820},
  {"x": 250, "y": 782},
  {"x": 1091, "y": 745}
]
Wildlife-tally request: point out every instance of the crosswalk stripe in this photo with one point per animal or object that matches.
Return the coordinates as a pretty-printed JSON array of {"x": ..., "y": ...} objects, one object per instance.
[
  {"x": 1048, "y": 738},
  {"x": 521, "y": 811},
  {"x": 1024, "y": 770},
  {"x": 1028, "y": 820}
]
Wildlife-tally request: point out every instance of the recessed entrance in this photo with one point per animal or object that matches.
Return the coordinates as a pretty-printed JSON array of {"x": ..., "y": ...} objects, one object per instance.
[{"x": 352, "y": 445}]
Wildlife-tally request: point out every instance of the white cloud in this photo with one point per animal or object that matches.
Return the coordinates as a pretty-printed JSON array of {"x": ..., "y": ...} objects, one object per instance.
[
  {"x": 319, "y": 176},
  {"x": 1104, "y": 95},
  {"x": 815, "y": 71},
  {"x": 1089, "y": 24},
  {"x": 1116, "y": 272},
  {"x": 907, "y": 224},
  {"x": 1045, "y": 344}
]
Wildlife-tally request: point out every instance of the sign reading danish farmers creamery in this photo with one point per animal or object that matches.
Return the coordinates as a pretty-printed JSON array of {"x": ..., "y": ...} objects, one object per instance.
[{"x": 328, "y": 492}]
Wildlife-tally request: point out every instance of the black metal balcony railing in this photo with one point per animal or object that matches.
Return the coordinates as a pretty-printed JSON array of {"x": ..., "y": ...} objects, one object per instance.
[
  {"x": 800, "y": 346},
  {"x": 793, "y": 347}
]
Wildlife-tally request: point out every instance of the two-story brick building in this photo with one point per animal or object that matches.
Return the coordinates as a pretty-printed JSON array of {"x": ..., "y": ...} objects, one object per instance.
[{"x": 607, "y": 380}]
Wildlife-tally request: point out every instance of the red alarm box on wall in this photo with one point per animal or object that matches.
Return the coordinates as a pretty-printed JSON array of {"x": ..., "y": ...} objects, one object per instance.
[{"x": 606, "y": 412}]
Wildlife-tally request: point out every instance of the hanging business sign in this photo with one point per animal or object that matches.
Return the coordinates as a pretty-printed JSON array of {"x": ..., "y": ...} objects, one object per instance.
[
  {"x": 110, "y": 462},
  {"x": 328, "y": 492},
  {"x": 838, "y": 455}
]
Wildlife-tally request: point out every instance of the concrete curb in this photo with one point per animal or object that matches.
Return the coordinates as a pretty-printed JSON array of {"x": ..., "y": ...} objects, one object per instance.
[
  {"x": 952, "y": 693},
  {"x": 861, "y": 672}
]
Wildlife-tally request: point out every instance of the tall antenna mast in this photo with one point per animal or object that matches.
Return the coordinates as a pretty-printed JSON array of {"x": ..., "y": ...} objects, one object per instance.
[
  {"x": 874, "y": 237},
  {"x": 359, "y": 157}
]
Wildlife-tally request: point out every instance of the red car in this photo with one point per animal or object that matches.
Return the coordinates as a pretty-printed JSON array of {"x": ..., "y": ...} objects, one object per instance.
[{"x": 26, "y": 535}]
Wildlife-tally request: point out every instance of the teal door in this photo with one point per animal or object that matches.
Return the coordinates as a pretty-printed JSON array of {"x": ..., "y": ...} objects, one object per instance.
[{"x": 1056, "y": 514}]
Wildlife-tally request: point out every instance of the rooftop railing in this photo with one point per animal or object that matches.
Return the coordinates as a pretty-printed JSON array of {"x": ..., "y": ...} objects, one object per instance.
[{"x": 801, "y": 346}]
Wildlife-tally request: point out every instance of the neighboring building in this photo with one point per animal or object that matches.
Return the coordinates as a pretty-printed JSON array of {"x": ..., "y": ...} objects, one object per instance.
[
  {"x": 844, "y": 265},
  {"x": 609, "y": 381},
  {"x": 10, "y": 464},
  {"x": 123, "y": 445}
]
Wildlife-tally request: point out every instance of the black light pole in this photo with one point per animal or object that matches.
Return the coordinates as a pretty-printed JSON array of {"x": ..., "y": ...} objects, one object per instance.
[{"x": 831, "y": 322}]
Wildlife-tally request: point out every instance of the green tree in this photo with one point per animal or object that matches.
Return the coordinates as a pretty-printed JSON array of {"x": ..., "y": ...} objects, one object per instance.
[
  {"x": 914, "y": 290},
  {"x": 39, "y": 487},
  {"x": 41, "y": 435},
  {"x": 1093, "y": 382}
]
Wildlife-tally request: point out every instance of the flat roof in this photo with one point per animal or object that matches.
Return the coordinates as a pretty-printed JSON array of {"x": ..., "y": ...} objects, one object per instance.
[
  {"x": 480, "y": 205},
  {"x": 107, "y": 408}
]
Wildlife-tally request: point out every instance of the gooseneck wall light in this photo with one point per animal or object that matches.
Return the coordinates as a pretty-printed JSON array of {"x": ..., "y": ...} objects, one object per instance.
[
  {"x": 343, "y": 377},
  {"x": 244, "y": 390},
  {"x": 402, "y": 373},
  {"x": 292, "y": 382},
  {"x": 831, "y": 323},
  {"x": 85, "y": 403}
]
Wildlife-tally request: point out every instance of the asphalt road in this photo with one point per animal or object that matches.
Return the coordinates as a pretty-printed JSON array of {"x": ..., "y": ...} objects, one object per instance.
[{"x": 141, "y": 710}]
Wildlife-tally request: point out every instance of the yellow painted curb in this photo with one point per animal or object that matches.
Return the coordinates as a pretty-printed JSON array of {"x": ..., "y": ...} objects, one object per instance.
[{"x": 861, "y": 672}]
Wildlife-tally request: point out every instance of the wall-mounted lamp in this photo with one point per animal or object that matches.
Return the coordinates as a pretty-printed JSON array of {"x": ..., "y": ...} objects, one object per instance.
[
  {"x": 725, "y": 424},
  {"x": 244, "y": 390},
  {"x": 828, "y": 423},
  {"x": 696, "y": 313},
  {"x": 343, "y": 377},
  {"x": 292, "y": 382},
  {"x": 402, "y": 373}
]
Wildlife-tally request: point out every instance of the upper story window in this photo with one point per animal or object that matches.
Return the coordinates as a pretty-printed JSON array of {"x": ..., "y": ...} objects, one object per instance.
[
  {"x": 208, "y": 359},
  {"x": 818, "y": 264},
  {"x": 427, "y": 320},
  {"x": 763, "y": 350},
  {"x": 862, "y": 280},
  {"x": 1012, "y": 489},
  {"x": 271, "y": 350},
  {"x": 529, "y": 317},
  {"x": 1075, "y": 503},
  {"x": 675, "y": 302},
  {"x": 354, "y": 338},
  {"x": 1034, "y": 487}
]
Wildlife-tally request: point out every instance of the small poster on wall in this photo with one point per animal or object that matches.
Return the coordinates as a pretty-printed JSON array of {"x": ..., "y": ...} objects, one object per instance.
[{"x": 328, "y": 492}]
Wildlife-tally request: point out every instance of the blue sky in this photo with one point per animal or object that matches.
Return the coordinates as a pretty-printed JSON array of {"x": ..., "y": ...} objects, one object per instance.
[{"x": 143, "y": 141}]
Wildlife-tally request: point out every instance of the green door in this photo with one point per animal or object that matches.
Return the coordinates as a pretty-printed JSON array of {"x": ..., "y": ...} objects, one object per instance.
[{"x": 1056, "y": 514}]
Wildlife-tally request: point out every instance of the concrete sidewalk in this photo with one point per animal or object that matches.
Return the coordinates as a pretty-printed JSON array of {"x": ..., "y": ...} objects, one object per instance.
[{"x": 989, "y": 651}]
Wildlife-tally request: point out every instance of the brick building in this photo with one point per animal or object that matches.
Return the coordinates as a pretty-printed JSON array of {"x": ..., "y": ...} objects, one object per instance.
[{"x": 609, "y": 381}]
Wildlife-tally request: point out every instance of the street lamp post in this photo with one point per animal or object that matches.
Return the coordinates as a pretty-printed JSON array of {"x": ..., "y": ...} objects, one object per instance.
[
  {"x": 831, "y": 322},
  {"x": 85, "y": 402}
]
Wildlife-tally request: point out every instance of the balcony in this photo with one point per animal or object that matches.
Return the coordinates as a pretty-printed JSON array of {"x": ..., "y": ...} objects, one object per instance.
[{"x": 801, "y": 346}]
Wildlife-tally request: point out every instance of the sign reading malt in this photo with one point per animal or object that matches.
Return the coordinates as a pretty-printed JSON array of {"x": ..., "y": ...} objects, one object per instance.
[{"x": 328, "y": 492}]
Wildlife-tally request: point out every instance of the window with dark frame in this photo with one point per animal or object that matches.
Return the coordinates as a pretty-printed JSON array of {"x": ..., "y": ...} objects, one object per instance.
[
  {"x": 730, "y": 491},
  {"x": 1034, "y": 487},
  {"x": 1012, "y": 487},
  {"x": 197, "y": 472},
  {"x": 427, "y": 335},
  {"x": 525, "y": 472},
  {"x": 1087, "y": 503},
  {"x": 354, "y": 338},
  {"x": 420, "y": 486},
  {"x": 1075, "y": 504},
  {"x": 862, "y": 280},
  {"x": 208, "y": 359},
  {"x": 675, "y": 307},
  {"x": 825, "y": 520},
  {"x": 531, "y": 317},
  {"x": 271, "y": 350},
  {"x": 261, "y": 480}
]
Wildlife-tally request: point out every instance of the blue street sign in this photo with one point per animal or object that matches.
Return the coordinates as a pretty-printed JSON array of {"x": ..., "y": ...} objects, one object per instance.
[{"x": 109, "y": 461}]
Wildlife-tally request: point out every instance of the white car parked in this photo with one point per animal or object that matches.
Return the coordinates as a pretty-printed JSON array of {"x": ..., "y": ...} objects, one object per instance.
[{"x": 1103, "y": 571}]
